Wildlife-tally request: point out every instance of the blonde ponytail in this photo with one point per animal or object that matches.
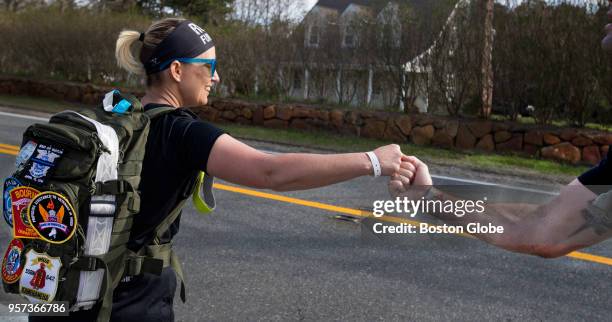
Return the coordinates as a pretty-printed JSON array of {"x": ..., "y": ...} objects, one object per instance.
[
  {"x": 154, "y": 35},
  {"x": 125, "y": 56}
]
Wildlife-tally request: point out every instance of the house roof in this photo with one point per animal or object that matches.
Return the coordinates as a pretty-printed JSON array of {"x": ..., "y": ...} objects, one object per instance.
[{"x": 341, "y": 5}]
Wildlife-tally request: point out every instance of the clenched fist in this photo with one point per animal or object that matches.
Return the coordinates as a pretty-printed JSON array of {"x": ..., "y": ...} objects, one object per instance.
[{"x": 411, "y": 180}]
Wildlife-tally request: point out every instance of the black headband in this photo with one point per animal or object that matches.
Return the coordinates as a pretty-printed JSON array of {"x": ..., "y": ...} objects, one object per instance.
[{"x": 187, "y": 40}]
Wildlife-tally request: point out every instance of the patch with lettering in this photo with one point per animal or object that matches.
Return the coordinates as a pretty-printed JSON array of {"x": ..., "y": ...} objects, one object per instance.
[
  {"x": 42, "y": 163},
  {"x": 11, "y": 262},
  {"x": 25, "y": 153},
  {"x": 40, "y": 277},
  {"x": 20, "y": 199},
  {"x": 7, "y": 209},
  {"x": 52, "y": 217}
]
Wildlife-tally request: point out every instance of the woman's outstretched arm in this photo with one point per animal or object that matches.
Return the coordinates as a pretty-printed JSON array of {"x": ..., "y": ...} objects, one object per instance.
[{"x": 236, "y": 162}]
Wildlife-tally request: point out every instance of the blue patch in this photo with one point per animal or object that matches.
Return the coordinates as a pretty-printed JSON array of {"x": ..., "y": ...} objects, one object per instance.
[
  {"x": 25, "y": 153},
  {"x": 11, "y": 262},
  {"x": 7, "y": 209},
  {"x": 40, "y": 165}
]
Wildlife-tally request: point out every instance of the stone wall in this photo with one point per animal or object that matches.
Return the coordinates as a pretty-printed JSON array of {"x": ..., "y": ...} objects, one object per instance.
[
  {"x": 564, "y": 144},
  {"x": 570, "y": 145},
  {"x": 72, "y": 92}
]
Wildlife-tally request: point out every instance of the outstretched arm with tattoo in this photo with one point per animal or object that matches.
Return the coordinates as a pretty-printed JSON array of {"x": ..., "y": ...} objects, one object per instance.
[{"x": 577, "y": 218}]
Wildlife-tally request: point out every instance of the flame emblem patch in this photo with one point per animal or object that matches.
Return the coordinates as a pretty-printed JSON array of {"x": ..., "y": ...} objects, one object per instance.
[{"x": 52, "y": 217}]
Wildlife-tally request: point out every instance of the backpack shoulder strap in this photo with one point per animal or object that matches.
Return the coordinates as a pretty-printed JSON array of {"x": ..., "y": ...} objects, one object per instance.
[
  {"x": 159, "y": 111},
  {"x": 164, "y": 252}
]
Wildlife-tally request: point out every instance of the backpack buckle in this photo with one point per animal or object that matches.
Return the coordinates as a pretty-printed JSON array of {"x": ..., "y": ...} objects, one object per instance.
[
  {"x": 111, "y": 187},
  {"x": 137, "y": 265},
  {"x": 86, "y": 263}
]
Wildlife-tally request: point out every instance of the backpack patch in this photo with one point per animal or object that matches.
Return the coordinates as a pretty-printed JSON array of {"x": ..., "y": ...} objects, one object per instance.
[
  {"x": 20, "y": 199},
  {"x": 52, "y": 217},
  {"x": 40, "y": 277},
  {"x": 7, "y": 208},
  {"x": 25, "y": 153},
  {"x": 41, "y": 165},
  {"x": 11, "y": 262}
]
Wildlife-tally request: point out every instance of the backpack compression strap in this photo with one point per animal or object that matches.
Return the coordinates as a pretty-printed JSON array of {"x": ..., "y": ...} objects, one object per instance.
[{"x": 152, "y": 258}]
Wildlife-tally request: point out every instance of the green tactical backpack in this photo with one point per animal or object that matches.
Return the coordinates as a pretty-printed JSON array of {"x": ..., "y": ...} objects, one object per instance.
[{"x": 71, "y": 203}]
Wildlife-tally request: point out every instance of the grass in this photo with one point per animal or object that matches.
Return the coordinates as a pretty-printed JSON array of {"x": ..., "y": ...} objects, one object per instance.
[
  {"x": 539, "y": 166},
  {"x": 37, "y": 104},
  {"x": 343, "y": 143},
  {"x": 559, "y": 123}
]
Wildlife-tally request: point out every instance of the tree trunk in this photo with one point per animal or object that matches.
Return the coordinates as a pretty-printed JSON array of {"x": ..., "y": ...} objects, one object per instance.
[{"x": 487, "y": 66}]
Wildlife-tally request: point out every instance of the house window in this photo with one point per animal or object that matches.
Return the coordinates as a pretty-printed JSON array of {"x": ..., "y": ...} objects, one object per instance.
[
  {"x": 395, "y": 35},
  {"x": 297, "y": 80},
  {"x": 313, "y": 36},
  {"x": 349, "y": 39},
  {"x": 377, "y": 87},
  {"x": 389, "y": 36}
]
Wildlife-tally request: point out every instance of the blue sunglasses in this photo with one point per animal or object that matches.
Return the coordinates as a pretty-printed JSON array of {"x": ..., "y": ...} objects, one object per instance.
[{"x": 211, "y": 62}]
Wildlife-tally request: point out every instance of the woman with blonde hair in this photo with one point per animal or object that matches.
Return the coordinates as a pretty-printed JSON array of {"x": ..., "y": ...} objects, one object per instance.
[{"x": 178, "y": 59}]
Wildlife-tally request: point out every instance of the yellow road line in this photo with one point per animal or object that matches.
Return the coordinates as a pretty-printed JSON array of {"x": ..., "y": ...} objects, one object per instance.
[
  {"x": 9, "y": 147},
  {"x": 13, "y": 150},
  {"x": 590, "y": 258},
  {"x": 318, "y": 205}
]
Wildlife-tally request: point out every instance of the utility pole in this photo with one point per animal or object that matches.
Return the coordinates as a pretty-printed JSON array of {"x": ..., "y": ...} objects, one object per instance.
[{"x": 487, "y": 66}]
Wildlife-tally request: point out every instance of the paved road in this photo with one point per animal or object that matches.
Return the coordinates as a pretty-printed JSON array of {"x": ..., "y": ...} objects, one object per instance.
[{"x": 261, "y": 259}]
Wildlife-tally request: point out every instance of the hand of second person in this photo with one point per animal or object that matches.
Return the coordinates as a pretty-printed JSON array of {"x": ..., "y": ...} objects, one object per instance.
[
  {"x": 390, "y": 158},
  {"x": 412, "y": 180},
  {"x": 421, "y": 172}
]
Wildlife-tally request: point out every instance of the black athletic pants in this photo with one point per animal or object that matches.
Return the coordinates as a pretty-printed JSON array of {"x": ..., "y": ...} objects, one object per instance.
[{"x": 146, "y": 298}]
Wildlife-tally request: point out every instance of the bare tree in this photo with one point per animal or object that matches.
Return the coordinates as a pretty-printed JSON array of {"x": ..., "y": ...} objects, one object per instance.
[{"x": 487, "y": 65}]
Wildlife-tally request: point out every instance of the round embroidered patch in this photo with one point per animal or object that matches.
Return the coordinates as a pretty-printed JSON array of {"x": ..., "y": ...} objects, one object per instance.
[
  {"x": 52, "y": 217},
  {"x": 7, "y": 208},
  {"x": 11, "y": 263}
]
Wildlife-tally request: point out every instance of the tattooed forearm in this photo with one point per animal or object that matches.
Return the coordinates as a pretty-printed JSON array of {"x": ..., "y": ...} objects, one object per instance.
[{"x": 598, "y": 215}]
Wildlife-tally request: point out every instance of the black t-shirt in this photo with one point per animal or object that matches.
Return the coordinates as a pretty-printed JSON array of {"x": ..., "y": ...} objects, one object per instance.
[
  {"x": 599, "y": 178},
  {"x": 178, "y": 146}
]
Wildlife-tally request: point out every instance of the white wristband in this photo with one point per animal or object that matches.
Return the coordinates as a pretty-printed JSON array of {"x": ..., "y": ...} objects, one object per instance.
[{"x": 375, "y": 163}]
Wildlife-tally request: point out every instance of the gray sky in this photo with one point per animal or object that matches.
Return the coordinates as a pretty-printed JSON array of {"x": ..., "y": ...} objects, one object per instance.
[{"x": 310, "y": 3}]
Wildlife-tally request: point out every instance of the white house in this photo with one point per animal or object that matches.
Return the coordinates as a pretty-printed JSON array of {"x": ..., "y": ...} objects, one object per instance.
[{"x": 336, "y": 72}]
